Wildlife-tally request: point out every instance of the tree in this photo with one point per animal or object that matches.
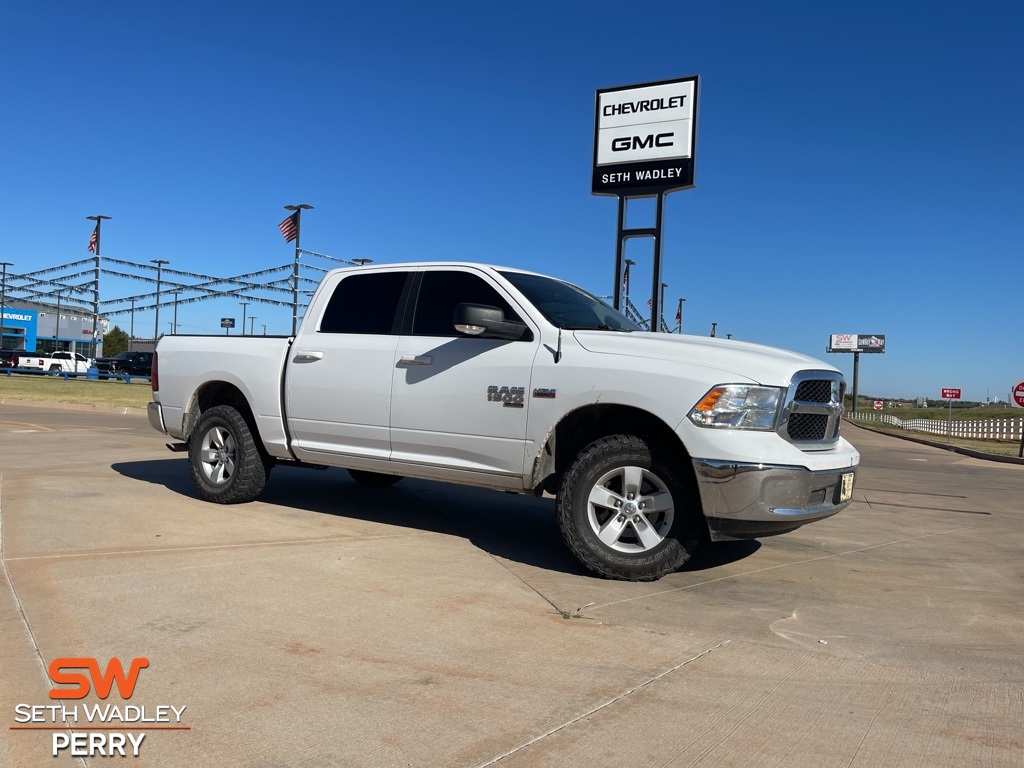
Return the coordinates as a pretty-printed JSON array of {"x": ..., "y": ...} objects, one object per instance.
[{"x": 115, "y": 340}]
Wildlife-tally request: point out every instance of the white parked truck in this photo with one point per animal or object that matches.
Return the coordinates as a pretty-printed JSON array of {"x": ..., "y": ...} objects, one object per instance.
[
  {"x": 57, "y": 362},
  {"x": 506, "y": 379}
]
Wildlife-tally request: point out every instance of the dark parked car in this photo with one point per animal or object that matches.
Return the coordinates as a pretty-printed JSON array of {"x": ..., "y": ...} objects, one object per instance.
[
  {"x": 9, "y": 358},
  {"x": 132, "y": 363}
]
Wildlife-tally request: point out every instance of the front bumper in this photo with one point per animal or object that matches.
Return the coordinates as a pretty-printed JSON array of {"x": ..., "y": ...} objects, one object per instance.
[{"x": 743, "y": 500}]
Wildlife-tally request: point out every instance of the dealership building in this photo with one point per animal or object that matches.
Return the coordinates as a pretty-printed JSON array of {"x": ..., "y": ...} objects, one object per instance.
[{"x": 35, "y": 326}]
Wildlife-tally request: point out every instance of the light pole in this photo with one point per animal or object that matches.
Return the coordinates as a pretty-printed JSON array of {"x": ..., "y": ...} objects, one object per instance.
[
  {"x": 244, "y": 305},
  {"x": 156, "y": 323},
  {"x": 661, "y": 304},
  {"x": 625, "y": 283},
  {"x": 291, "y": 228},
  {"x": 362, "y": 262},
  {"x": 131, "y": 331},
  {"x": 3, "y": 297},
  {"x": 56, "y": 333},
  {"x": 264, "y": 330},
  {"x": 95, "y": 239},
  {"x": 174, "y": 328},
  {"x": 713, "y": 327},
  {"x": 252, "y": 322}
]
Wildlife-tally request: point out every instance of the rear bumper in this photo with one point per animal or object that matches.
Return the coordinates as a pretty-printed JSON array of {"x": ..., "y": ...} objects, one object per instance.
[
  {"x": 749, "y": 500},
  {"x": 156, "y": 417}
]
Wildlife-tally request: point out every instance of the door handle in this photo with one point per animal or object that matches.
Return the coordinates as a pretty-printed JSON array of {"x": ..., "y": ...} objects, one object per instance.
[
  {"x": 417, "y": 359},
  {"x": 309, "y": 354}
]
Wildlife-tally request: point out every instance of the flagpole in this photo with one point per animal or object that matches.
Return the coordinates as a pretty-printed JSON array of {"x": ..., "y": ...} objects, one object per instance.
[
  {"x": 97, "y": 347},
  {"x": 295, "y": 265},
  {"x": 3, "y": 297}
]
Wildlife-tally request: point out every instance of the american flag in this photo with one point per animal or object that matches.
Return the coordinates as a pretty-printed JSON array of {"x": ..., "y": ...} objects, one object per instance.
[
  {"x": 679, "y": 314},
  {"x": 649, "y": 305},
  {"x": 290, "y": 227},
  {"x": 625, "y": 280},
  {"x": 95, "y": 239}
]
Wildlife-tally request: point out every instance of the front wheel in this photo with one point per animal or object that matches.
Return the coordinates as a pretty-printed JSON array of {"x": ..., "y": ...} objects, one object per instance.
[
  {"x": 625, "y": 515},
  {"x": 227, "y": 466}
]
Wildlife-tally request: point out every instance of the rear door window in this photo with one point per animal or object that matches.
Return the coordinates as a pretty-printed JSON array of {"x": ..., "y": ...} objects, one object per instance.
[{"x": 364, "y": 304}]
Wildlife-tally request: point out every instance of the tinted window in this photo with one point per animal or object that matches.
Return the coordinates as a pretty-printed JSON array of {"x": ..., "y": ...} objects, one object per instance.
[
  {"x": 440, "y": 292},
  {"x": 364, "y": 304},
  {"x": 567, "y": 306}
]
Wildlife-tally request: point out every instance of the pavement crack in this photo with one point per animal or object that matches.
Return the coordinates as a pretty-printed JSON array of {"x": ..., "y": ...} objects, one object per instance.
[
  {"x": 629, "y": 692},
  {"x": 21, "y": 608}
]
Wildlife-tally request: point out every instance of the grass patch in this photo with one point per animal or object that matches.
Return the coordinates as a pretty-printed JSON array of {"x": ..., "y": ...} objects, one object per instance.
[{"x": 78, "y": 391}]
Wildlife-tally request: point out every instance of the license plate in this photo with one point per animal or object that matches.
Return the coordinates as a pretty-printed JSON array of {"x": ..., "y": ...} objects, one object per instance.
[{"x": 846, "y": 487}]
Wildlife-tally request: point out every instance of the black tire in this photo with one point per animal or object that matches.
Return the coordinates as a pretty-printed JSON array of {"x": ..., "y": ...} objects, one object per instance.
[
  {"x": 53, "y": 368},
  {"x": 373, "y": 479},
  {"x": 227, "y": 465},
  {"x": 594, "y": 503}
]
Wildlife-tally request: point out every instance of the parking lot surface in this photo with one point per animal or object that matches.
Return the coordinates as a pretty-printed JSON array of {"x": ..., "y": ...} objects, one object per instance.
[{"x": 430, "y": 625}]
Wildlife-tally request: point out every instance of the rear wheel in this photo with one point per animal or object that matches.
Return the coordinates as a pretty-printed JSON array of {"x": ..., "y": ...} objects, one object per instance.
[
  {"x": 227, "y": 466},
  {"x": 373, "y": 479},
  {"x": 625, "y": 515}
]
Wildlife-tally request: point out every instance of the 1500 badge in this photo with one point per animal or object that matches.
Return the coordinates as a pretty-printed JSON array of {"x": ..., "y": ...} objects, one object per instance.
[{"x": 509, "y": 397}]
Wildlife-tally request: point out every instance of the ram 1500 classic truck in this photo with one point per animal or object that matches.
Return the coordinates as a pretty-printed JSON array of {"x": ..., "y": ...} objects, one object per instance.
[{"x": 506, "y": 379}]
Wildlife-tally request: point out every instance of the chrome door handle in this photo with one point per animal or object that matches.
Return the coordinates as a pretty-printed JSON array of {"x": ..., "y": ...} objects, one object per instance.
[
  {"x": 308, "y": 354},
  {"x": 417, "y": 359}
]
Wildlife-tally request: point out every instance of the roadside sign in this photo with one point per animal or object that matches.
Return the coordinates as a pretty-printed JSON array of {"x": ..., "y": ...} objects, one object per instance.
[
  {"x": 949, "y": 393},
  {"x": 878, "y": 405},
  {"x": 1018, "y": 394},
  {"x": 227, "y": 322}
]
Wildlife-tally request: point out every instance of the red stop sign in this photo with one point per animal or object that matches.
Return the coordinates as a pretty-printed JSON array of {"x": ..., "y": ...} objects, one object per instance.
[{"x": 1018, "y": 393}]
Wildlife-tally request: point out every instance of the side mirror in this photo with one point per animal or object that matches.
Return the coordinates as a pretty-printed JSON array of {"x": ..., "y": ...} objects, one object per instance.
[{"x": 487, "y": 322}]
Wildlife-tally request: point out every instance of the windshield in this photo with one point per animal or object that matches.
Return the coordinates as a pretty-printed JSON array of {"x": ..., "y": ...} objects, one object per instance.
[{"x": 567, "y": 306}]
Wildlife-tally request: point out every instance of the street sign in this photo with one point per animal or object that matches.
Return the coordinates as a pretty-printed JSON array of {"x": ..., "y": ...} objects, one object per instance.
[
  {"x": 227, "y": 322},
  {"x": 1018, "y": 394},
  {"x": 949, "y": 393},
  {"x": 878, "y": 405}
]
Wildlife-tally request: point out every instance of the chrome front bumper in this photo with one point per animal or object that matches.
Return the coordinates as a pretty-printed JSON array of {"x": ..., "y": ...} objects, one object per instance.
[{"x": 750, "y": 500}]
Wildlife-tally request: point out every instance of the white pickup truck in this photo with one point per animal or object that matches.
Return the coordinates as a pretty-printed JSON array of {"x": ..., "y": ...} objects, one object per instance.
[
  {"x": 496, "y": 377},
  {"x": 57, "y": 362}
]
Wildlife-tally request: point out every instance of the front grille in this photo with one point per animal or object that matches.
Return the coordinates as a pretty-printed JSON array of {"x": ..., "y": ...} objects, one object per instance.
[
  {"x": 813, "y": 410},
  {"x": 808, "y": 426},
  {"x": 814, "y": 391}
]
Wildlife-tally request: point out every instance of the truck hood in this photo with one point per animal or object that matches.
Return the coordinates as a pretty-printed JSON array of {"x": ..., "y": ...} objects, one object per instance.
[{"x": 736, "y": 361}]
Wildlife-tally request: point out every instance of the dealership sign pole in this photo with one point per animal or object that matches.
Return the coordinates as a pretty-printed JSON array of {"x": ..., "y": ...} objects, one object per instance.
[
  {"x": 856, "y": 343},
  {"x": 645, "y": 139}
]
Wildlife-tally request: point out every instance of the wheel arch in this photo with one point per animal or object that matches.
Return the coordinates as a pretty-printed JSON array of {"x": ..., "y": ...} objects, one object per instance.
[
  {"x": 580, "y": 427},
  {"x": 213, "y": 393}
]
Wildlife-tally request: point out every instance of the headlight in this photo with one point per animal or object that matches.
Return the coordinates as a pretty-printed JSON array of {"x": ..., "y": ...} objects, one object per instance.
[{"x": 738, "y": 406}]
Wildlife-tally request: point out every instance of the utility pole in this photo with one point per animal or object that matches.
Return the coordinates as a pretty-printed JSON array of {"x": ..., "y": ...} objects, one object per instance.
[
  {"x": 96, "y": 342},
  {"x": 156, "y": 323},
  {"x": 244, "y": 305},
  {"x": 252, "y": 322}
]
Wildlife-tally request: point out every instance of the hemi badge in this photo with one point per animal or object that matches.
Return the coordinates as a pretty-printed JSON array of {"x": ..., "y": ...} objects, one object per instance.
[{"x": 546, "y": 393}]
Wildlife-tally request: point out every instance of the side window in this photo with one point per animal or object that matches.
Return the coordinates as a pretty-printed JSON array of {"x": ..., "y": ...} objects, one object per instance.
[
  {"x": 440, "y": 292},
  {"x": 364, "y": 304}
]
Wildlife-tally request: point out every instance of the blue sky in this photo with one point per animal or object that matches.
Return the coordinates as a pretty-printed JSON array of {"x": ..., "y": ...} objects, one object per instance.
[{"x": 858, "y": 165}]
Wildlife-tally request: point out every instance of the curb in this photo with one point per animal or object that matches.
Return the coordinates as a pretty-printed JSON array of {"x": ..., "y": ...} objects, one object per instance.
[
  {"x": 123, "y": 410},
  {"x": 952, "y": 448}
]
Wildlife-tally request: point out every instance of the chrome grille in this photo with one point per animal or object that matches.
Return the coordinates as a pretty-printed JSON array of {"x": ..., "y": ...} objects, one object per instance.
[
  {"x": 813, "y": 411},
  {"x": 814, "y": 391}
]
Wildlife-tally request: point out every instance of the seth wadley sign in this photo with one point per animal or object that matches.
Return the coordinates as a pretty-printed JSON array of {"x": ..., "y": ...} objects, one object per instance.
[{"x": 645, "y": 137}]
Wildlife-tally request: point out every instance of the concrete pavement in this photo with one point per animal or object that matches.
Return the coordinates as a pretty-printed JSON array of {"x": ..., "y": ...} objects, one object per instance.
[{"x": 424, "y": 625}]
